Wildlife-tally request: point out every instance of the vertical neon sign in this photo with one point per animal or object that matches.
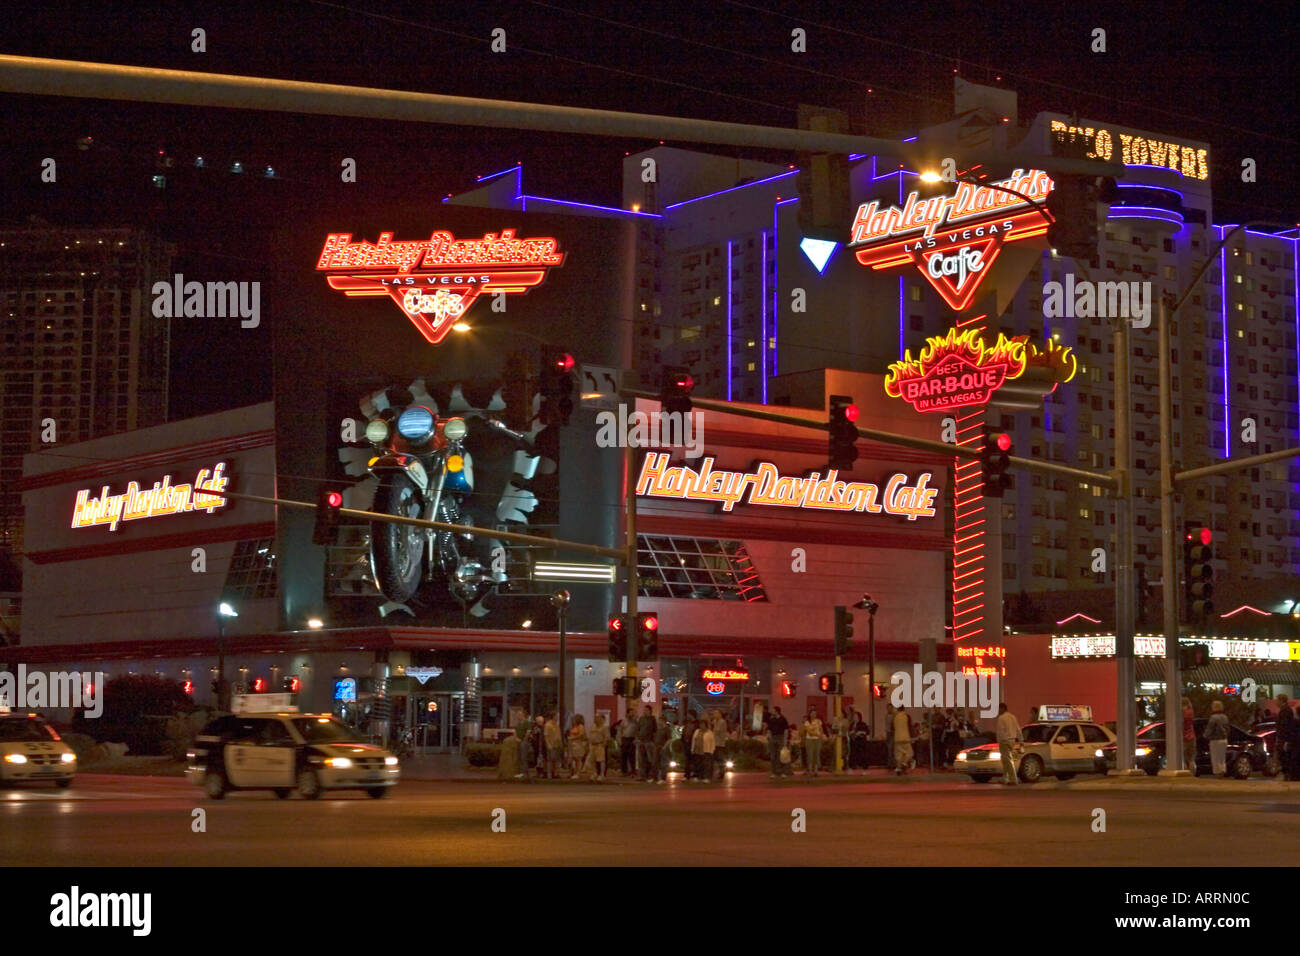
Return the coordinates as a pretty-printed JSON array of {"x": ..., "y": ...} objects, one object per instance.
[
  {"x": 730, "y": 375},
  {"x": 1223, "y": 288}
]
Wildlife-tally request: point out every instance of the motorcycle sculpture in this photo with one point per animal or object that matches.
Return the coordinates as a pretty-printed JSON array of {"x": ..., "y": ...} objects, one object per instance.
[{"x": 424, "y": 471}]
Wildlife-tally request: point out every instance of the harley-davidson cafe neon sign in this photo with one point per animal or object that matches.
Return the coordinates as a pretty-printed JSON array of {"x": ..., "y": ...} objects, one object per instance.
[
  {"x": 434, "y": 281},
  {"x": 767, "y": 486},
  {"x": 958, "y": 371},
  {"x": 954, "y": 240},
  {"x": 161, "y": 500}
]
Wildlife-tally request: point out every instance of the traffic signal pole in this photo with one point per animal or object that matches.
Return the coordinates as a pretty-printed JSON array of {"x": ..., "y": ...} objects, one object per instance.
[
  {"x": 1125, "y": 596},
  {"x": 839, "y": 709},
  {"x": 1168, "y": 569},
  {"x": 629, "y": 563}
]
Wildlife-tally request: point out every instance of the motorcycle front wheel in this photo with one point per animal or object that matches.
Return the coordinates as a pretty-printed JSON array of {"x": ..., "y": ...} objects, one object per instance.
[{"x": 397, "y": 550}]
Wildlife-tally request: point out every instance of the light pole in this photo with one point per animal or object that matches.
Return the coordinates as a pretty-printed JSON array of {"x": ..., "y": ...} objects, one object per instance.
[
  {"x": 871, "y": 607},
  {"x": 224, "y": 611},
  {"x": 560, "y": 601}
]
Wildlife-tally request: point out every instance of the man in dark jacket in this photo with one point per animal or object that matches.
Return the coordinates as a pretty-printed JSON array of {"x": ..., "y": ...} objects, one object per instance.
[
  {"x": 688, "y": 735},
  {"x": 777, "y": 726},
  {"x": 645, "y": 744},
  {"x": 1287, "y": 736}
]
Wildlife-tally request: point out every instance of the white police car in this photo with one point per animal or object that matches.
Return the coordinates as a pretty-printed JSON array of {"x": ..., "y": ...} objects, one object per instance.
[
  {"x": 31, "y": 751},
  {"x": 1053, "y": 746},
  {"x": 287, "y": 751}
]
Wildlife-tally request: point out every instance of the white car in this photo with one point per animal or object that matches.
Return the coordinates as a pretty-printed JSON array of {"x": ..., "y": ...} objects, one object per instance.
[
  {"x": 1060, "y": 748},
  {"x": 283, "y": 752},
  {"x": 32, "y": 751}
]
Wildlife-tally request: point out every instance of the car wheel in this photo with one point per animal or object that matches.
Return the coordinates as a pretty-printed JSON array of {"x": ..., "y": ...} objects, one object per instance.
[
  {"x": 376, "y": 793},
  {"x": 282, "y": 792},
  {"x": 981, "y": 778},
  {"x": 308, "y": 784},
  {"x": 1031, "y": 769},
  {"x": 214, "y": 784},
  {"x": 1065, "y": 776},
  {"x": 63, "y": 784},
  {"x": 1241, "y": 767}
]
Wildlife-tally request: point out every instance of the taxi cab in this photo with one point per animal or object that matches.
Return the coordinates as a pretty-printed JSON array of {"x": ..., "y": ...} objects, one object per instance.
[
  {"x": 32, "y": 751},
  {"x": 1061, "y": 743},
  {"x": 284, "y": 751}
]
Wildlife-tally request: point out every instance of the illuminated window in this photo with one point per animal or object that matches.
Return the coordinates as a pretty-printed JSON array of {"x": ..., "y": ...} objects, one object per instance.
[
  {"x": 252, "y": 570},
  {"x": 749, "y": 367},
  {"x": 1085, "y": 513},
  {"x": 700, "y": 568}
]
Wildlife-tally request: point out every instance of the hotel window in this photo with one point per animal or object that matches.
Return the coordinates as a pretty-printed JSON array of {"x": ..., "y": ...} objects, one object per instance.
[
  {"x": 914, "y": 293},
  {"x": 252, "y": 570},
  {"x": 707, "y": 568}
]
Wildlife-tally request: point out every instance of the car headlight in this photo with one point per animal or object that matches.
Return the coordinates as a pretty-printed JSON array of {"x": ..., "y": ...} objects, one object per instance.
[
  {"x": 672, "y": 763},
  {"x": 731, "y": 764},
  {"x": 454, "y": 429},
  {"x": 338, "y": 763},
  {"x": 1098, "y": 753},
  {"x": 377, "y": 431},
  {"x": 962, "y": 756},
  {"x": 15, "y": 758},
  {"x": 995, "y": 755},
  {"x": 1142, "y": 751},
  {"x": 69, "y": 758},
  {"x": 390, "y": 761},
  {"x": 417, "y": 424}
]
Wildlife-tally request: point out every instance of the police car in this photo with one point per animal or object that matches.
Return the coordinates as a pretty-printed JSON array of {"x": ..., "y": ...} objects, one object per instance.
[
  {"x": 283, "y": 751},
  {"x": 31, "y": 751},
  {"x": 1061, "y": 743}
]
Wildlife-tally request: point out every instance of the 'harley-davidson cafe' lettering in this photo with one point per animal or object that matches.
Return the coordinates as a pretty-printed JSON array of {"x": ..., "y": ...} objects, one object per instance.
[
  {"x": 766, "y": 486},
  {"x": 162, "y": 499}
]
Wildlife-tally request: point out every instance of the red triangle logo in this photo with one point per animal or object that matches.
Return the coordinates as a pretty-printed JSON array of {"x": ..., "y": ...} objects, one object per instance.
[{"x": 957, "y": 270}]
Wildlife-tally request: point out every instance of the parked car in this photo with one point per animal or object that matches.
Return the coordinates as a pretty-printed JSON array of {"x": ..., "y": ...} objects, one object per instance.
[{"x": 1247, "y": 752}]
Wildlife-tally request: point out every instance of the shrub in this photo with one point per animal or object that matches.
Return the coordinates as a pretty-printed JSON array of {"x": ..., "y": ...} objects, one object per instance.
[
  {"x": 483, "y": 755},
  {"x": 81, "y": 745},
  {"x": 179, "y": 732},
  {"x": 136, "y": 711}
]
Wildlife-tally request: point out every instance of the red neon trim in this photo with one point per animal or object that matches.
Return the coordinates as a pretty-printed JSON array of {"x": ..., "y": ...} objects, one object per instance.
[{"x": 1247, "y": 607}]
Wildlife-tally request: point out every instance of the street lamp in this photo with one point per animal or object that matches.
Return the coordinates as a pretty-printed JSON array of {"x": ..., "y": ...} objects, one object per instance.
[
  {"x": 224, "y": 611},
  {"x": 560, "y": 601},
  {"x": 871, "y": 607}
]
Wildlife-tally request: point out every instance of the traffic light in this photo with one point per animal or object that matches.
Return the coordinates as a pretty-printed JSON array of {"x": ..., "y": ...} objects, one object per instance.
[
  {"x": 291, "y": 685},
  {"x": 1198, "y": 572},
  {"x": 675, "y": 389},
  {"x": 842, "y": 444},
  {"x": 843, "y": 630},
  {"x": 556, "y": 384},
  {"x": 626, "y": 687},
  {"x": 825, "y": 208},
  {"x": 328, "y": 502},
  {"x": 188, "y": 687},
  {"x": 647, "y": 636},
  {"x": 995, "y": 458},
  {"x": 259, "y": 685},
  {"x": 789, "y": 688},
  {"x": 1193, "y": 656},
  {"x": 617, "y": 638},
  {"x": 831, "y": 684},
  {"x": 1072, "y": 204}
]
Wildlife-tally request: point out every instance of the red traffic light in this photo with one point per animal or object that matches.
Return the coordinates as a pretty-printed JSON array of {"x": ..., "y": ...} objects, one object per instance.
[
  {"x": 259, "y": 685},
  {"x": 1003, "y": 441},
  {"x": 564, "y": 362},
  {"x": 683, "y": 380},
  {"x": 616, "y": 624},
  {"x": 334, "y": 499},
  {"x": 850, "y": 413},
  {"x": 188, "y": 686},
  {"x": 1206, "y": 536},
  {"x": 649, "y": 622}
]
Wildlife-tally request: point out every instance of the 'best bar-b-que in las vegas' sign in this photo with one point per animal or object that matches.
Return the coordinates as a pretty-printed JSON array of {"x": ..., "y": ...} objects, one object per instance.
[
  {"x": 434, "y": 281},
  {"x": 952, "y": 240}
]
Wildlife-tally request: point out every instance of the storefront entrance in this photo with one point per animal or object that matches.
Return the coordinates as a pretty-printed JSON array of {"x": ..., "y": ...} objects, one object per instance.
[{"x": 436, "y": 719}]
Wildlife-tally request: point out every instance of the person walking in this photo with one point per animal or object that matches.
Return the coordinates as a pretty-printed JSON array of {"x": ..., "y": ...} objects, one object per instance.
[
  {"x": 1287, "y": 737},
  {"x": 645, "y": 744},
  {"x": 813, "y": 734},
  {"x": 903, "y": 753},
  {"x": 663, "y": 749},
  {"x": 579, "y": 745},
  {"x": 1008, "y": 733},
  {"x": 554, "y": 741},
  {"x": 691, "y": 725},
  {"x": 721, "y": 743},
  {"x": 777, "y": 726},
  {"x": 702, "y": 747},
  {"x": 1189, "y": 737},
  {"x": 627, "y": 744},
  {"x": 1216, "y": 735},
  {"x": 598, "y": 737}
]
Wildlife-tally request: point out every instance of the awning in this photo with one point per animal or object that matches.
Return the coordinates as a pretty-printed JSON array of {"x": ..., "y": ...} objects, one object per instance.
[{"x": 1224, "y": 672}]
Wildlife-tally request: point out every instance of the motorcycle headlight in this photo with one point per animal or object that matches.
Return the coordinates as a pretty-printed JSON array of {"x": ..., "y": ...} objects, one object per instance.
[
  {"x": 417, "y": 424},
  {"x": 454, "y": 429},
  {"x": 377, "y": 431}
]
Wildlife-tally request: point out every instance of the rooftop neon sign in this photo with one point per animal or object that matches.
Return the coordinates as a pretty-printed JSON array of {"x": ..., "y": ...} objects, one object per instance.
[{"x": 434, "y": 281}]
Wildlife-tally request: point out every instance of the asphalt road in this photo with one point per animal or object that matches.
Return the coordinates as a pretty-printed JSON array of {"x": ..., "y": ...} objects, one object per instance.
[{"x": 128, "y": 821}]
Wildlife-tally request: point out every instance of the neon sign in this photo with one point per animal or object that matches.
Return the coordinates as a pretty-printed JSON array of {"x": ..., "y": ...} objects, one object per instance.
[
  {"x": 954, "y": 240},
  {"x": 1192, "y": 162},
  {"x": 973, "y": 660},
  {"x": 716, "y": 687},
  {"x": 957, "y": 370},
  {"x": 161, "y": 500},
  {"x": 724, "y": 673},
  {"x": 767, "y": 486},
  {"x": 434, "y": 281}
]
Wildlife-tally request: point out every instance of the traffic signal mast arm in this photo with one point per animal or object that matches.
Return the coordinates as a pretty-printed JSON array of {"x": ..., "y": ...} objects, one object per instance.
[{"x": 890, "y": 438}]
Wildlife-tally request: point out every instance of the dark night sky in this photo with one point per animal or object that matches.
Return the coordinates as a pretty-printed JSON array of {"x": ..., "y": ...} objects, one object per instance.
[{"x": 1224, "y": 75}]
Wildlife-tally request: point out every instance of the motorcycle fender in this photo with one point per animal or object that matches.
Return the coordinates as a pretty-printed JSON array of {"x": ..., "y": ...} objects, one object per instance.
[{"x": 410, "y": 465}]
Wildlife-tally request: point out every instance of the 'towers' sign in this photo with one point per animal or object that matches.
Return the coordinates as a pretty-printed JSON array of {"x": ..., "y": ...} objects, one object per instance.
[
  {"x": 958, "y": 371},
  {"x": 952, "y": 240},
  {"x": 163, "y": 498},
  {"x": 434, "y": 281},
  {"x": 767, "y": 486}
]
